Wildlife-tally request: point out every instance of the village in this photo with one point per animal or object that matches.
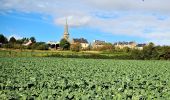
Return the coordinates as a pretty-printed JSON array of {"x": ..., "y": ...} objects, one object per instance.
[
  {"x": 84, "y": 44},
  {"x": 80, "y": 43}
]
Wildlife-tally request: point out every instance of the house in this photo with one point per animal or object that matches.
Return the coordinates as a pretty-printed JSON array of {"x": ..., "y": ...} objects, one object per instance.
[
  {"x": 98, "y": 43},
  {"x": 124, "y": 44},
  {"x": 28, "y": 43},
  {"x": 140, "y": 46},
  {"x": 53, "y": 45},
  {"x": 83, "y": 42}
]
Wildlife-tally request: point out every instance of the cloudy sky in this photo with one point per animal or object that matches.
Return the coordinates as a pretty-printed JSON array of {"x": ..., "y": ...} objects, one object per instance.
[{"x": 109, "y": 20}]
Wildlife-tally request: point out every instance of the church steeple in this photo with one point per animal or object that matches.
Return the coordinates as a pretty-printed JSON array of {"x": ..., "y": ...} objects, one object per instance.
[{"x": 66, "y": 34}]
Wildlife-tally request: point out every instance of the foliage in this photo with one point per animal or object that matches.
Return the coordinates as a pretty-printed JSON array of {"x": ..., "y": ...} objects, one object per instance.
[
  {"x": 164, "y": 52},
  {"x": 85, "y": 79},
  {"x": 126, "y": 49},
  {"x": 17, "y": 46},
  {"x": 25, "y": 40},
  {"x": 64, "y": 44},
  {"x": 137, "y": 54},
  {"x": 3, "y": 39},
  {"x": 33, "y": 40},
  {"x": 151, "y": 52},
  {"x": 22, "y": 41},
  {"x": 106, "y": 47},
  {"x": 75, "y": 47},
  {"x": 12, "y": 40},
  {"x": 39, "y": 46},
  {"x": 19, "y": 41},
  {"x": 24, "y": 52},
  {"x": 9, "y": 45},
  {"x": 42, "y": 47}
]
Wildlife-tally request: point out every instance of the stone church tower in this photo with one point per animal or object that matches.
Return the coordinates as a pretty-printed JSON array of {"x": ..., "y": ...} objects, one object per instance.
[{"x": 66, "y": 34}]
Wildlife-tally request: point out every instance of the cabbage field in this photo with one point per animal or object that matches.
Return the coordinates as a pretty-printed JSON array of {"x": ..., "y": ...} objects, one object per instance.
[{"x": 83, "y": 79}]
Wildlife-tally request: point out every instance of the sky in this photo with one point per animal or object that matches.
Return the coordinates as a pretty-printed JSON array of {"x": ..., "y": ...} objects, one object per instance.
[{"x": 108, "y": 20}]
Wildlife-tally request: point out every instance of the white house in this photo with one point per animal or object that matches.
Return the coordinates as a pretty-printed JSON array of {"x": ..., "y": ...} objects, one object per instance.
[
  {"x": 28, "y": 43},
  {"x": 83, "y": 42}
]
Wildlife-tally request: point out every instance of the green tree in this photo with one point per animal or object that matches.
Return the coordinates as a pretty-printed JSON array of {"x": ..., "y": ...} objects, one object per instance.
[
  {"x": 136, "y": 54},
  {"x": 126, "y": 49},
  {"x": 164, "y": 52},
  {"x": 33, "y": 40},
  {"x": 3, "y": 39},
  {"x": 24, "y": 40},
  {"x": 64, "y": 44},
  {"x": 12, "y": 40},
  {"x": 42, "y": 47},
  {"x": 19, "y": 41},
  {"x": 150, "y": 52}
]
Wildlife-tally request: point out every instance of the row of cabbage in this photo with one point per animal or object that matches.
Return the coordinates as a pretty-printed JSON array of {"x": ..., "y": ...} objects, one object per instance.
[{"x": 83, "y": 79}]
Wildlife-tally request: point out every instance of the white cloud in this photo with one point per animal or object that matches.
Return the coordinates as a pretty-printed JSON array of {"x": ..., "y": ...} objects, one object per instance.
[
  {"x": 65, "y": 6},
  {"x": 159, "y": 38},
  {"x": 130, "y": 5},
  {"x": 74, "y": 21},
  {"x": 149, "y": 19},
  {"x": 159, "y": 42}
]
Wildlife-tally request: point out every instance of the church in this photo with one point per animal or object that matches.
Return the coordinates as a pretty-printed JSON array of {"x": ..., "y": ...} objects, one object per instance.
[
  {"x": 56, "y": 45},
  {"x": 66, "y": 34},
  {"x": 82, "y": 41}
]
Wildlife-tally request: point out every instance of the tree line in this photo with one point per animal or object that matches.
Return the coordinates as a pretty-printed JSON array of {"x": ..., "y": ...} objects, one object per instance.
[
  {"x": 149, "y": 52},
  {"x": 14, "y": 43},
  {"x": 152, "y": 52}
]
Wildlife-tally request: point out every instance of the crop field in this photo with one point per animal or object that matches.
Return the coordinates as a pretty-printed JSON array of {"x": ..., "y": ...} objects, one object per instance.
[{"x": 83, "y": 79}]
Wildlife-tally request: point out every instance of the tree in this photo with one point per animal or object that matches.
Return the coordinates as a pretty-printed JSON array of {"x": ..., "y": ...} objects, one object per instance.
[
  {"x": 126, "y": 49},
  {"x": 3, "y": 39},
  {"x": 64, "y": 44},
  {"x": 33, "y": 40},
  {"x": 38, "y": 46},
  {"x": 75, "y": 47},
  {"x": 164, "y": 52},
  {"x": 150, "y": 52},
  {"x": 90, "y": 47},
  {"x": 136, "y": 54},
  {"x": 25, "y": 40},
  {"x": 12, "y": 40},
  {"x": 106, "y": 47},
  {"x": 19, "y": 41}
]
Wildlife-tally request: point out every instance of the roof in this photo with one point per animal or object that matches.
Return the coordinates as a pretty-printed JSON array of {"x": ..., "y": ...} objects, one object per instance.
[
  {"x": 124, "y": 43},
  {"x": 80, "y": 40},
  {"x": 99, "y": 42},
  {"x": 28, "y": 43},
  {"x": 52, "y": 42},
  {"x": 141, "y": 45}
]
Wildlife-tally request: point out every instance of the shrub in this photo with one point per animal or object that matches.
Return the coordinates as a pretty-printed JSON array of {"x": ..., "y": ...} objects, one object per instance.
[
  {"x": 75, "y": 47},
  {"x": 9, "y": 45},
  {"x": 42, "y": 47},
  {"x": 64, "y": 44}
]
